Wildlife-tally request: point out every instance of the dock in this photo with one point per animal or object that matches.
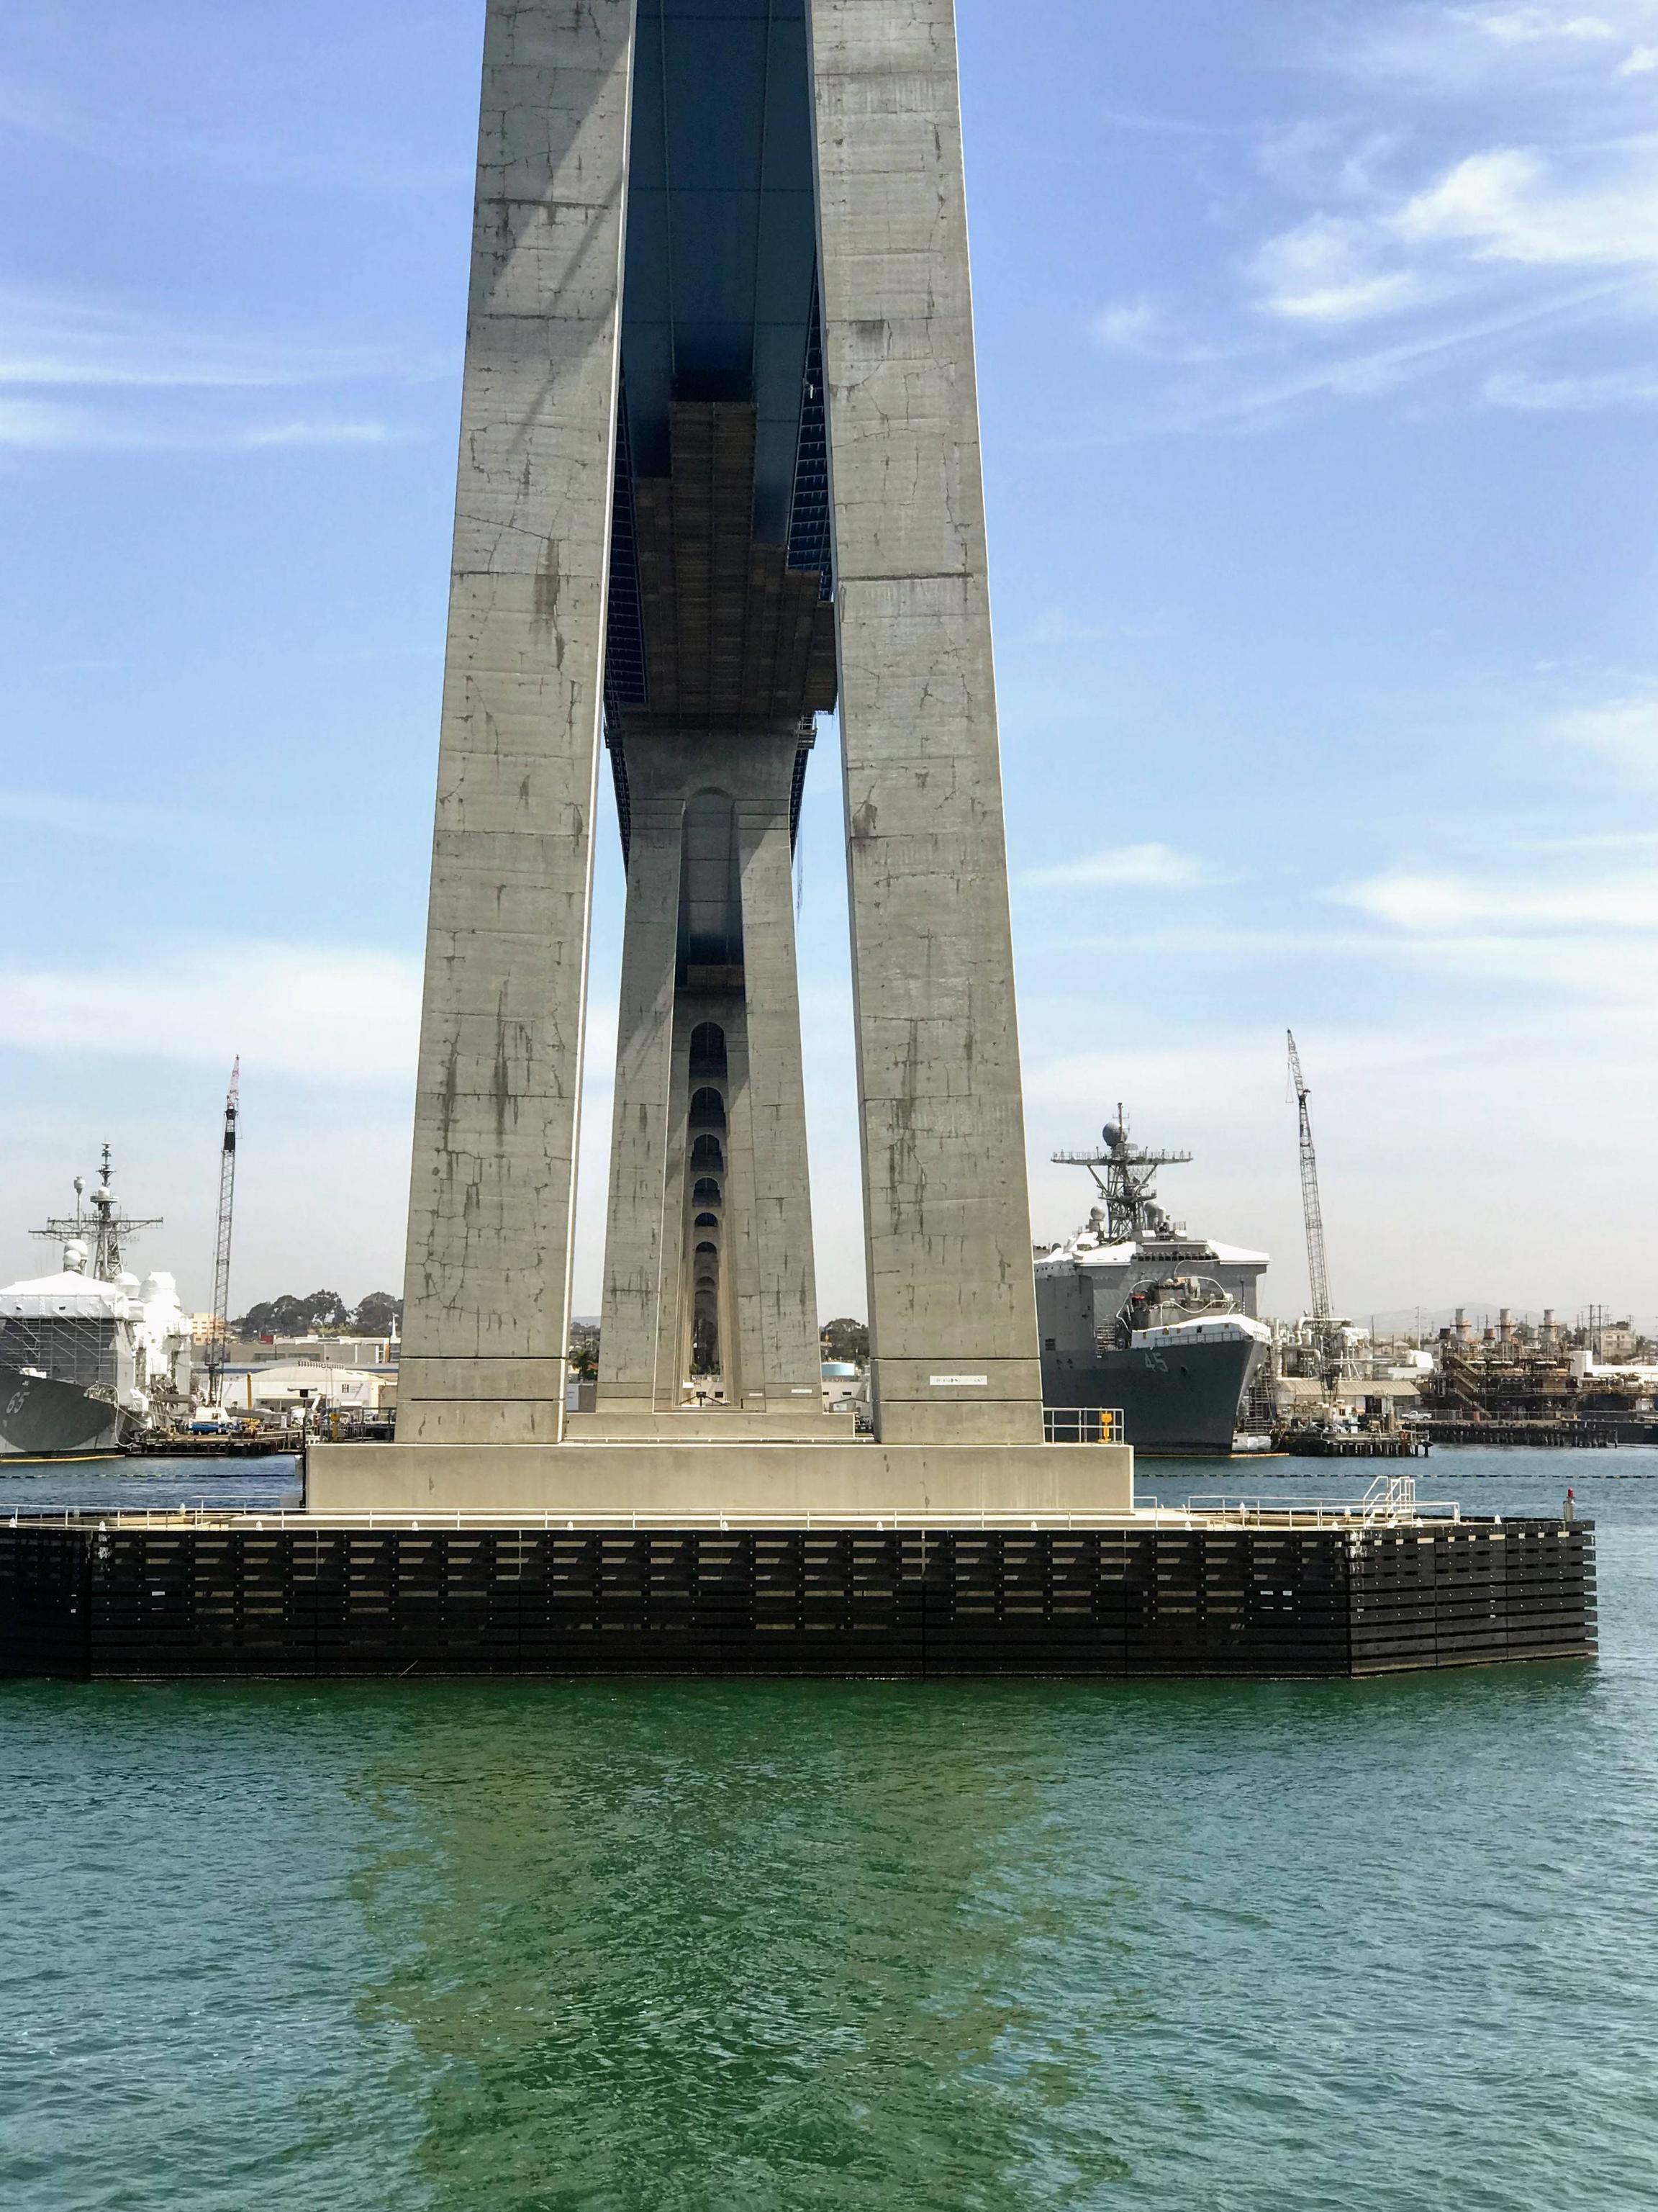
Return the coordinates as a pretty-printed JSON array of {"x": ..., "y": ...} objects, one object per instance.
[
  {"x": 1552, "y": 1436},
  {"x": 1328, "y": 1443},
  {"x": 1245, "y": 1589},
  {"x": 268, "y": 1443}
]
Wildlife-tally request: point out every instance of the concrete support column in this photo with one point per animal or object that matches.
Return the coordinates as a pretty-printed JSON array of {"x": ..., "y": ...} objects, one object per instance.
[
  {"x": 673, "y": 1313},
  {"x": 785, "y": 1320},
  {"x": 947, "y": 1206},
  {"x": 492, "y": 1199},
  {"x": 742, "y": 1261},
  {"x": 642, "y": 1234},
  {"x": 767, "y": 1295}
]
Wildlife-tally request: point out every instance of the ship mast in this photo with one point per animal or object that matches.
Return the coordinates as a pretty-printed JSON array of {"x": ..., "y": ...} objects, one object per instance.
[
  {"x": 1128, "y": 1185},
  {"x": 106, "y": 1227}
]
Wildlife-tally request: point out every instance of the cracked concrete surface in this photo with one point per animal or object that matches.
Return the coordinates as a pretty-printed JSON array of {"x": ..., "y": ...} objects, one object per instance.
[
  {"x": 948, "y": 1214},
  {"x": 492, "y": 1198},
  {"x": 491, "y": 1203}
]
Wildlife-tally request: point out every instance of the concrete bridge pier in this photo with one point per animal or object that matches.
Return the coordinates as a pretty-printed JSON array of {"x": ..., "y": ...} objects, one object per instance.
[
  {"x": 708, "y": 1248},
  {"x": 492, "y": 1200},
  {"x": 719, "y": 476}
]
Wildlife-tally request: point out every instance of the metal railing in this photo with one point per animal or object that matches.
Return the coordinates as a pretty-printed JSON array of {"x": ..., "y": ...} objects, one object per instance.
[
  {"x": 739, "y": 1520},
  {"x": 1197, "y": 1514},
  {"x": 1082, "y": 1425},
  {"x": 1391, "y": 1498},
  {"x": 1390, "y": 1502}
]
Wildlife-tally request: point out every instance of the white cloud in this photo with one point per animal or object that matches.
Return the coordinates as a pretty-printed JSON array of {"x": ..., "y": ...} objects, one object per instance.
[
  {"x": 1427, "y": 903},
  {"x": 119, "y": 358},
  {"x": 44, "y": 426},
  {"x": 1326, "y": 270},
  {"x": 1380, "y": 369},
  {"x": 1584, "y": 394},
  {"x": 50, "y": 341},
  {"x": 1529, "y": 26},
  {"x": 322, "y": 1195},
  {"x": 1146, "y": 332},
  {"x": 80, "y": 815},
  {"x": 1587, "y": 937},
  {"x": 326, "y": 1014},
  {"x": 1544, "y": 970},
  {"x": 235, "y": 144},
  {"x": 1056, "y": 627},
  {"x": 1622, "y": 731},
  {"x": 1484, "y": 230},
  {"x": 1418, "y": 1171},
  {"x": 1152, "y": 866},
  {"x": 1461, "y": 49},
  {"x": 1507, "y": 204},
  {"x": 1575, "y": 919},
  {"x": 1131, "y": 326},
  {"x": 1511, "y": 238},
  {"x": 315, "y": 433}
]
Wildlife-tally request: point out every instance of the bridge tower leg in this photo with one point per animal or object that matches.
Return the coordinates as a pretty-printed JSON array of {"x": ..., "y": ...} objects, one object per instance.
[
  {"x": 946, "y": 1206},
  {"x": 486, "y": 1328},
  {"x": 720, "y": 473}
]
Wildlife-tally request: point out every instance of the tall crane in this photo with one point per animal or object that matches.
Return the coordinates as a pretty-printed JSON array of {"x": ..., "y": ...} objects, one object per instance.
[
  {"x": 1325, "y": 1333},
  {"x": 219, "y": 1327}
]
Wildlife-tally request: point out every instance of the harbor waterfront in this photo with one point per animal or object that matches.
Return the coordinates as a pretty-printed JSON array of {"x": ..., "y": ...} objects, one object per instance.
[
  {"x": 486, "y": 1947},
  {"x": 1073, "y": 1580}
]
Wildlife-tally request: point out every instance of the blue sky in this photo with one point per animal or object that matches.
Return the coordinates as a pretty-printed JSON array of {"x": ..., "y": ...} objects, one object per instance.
[{"x": 1319, "y": 383}]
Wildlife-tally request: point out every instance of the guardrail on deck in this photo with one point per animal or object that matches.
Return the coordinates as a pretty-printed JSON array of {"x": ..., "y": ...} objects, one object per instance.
[{"x": 1082, "y": 1425}]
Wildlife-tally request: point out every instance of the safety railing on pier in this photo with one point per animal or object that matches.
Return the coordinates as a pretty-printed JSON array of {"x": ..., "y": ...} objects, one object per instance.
[
  {"x": 1198, "y": 1513},
  {"x": 1391, "y": 1501},
  {"x": 1082, "y": 1425},
  {"x": 738, "y": 1519}
]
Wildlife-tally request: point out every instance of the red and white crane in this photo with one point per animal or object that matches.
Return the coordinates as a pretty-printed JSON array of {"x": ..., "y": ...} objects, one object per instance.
[
  {"x": 1326, "y": 1333},
  {"x": 221, "y": 1321}
]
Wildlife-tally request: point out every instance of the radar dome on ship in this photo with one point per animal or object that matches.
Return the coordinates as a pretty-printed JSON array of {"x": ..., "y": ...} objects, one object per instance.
[{"x": 1112, "y": 1133}]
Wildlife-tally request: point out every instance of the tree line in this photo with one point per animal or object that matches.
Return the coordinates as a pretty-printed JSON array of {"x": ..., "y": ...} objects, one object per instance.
[
  {"x": 320, "y": 1312},
  {"x": 326, "y": 1313},
  {"x": 842, "y": 1339}
]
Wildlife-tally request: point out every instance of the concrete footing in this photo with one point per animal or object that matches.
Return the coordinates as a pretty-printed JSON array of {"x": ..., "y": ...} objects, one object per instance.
[
  {"x": 769, "y": 1479},
  {"x": 784, "y": 1424},
  {"x": 240, "y": 1594}
]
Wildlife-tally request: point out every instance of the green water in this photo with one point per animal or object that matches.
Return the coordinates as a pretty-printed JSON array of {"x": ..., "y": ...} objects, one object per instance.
[{"x": 970, "y": 1947}]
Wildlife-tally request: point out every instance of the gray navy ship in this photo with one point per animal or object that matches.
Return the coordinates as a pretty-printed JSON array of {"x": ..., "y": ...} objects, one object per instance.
[
  {"x": 90, "y": 1357},
  {"x": 1135, "y": 1313}
]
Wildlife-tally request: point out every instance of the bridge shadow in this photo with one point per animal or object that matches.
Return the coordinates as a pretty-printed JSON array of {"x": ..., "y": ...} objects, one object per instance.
[{"x": 761, "y": 1944}]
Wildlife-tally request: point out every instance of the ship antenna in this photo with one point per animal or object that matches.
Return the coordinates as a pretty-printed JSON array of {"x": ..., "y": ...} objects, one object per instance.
[{"x": 109, "y": 1229}]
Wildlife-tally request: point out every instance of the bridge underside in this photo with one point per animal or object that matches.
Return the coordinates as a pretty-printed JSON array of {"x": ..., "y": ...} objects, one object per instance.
[{"x": 720, "y": 654}]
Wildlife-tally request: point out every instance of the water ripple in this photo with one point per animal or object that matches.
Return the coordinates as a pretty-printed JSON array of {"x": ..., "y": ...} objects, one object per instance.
[{"x": 960, "y": 1948}]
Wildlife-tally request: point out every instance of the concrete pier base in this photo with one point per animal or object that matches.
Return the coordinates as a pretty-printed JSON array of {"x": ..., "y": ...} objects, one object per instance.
[
  {"x": 768, "y": 1480},
  {"x": 243, "y": 1594},
  {"x": 611, "y": 1426}
]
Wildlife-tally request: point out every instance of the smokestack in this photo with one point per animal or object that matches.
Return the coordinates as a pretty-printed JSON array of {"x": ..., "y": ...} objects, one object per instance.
[
  {"x": 1547, "y": 1332},
  {"x": 1502, "y": 1324},
  {"x": 1462, "y": 1324}
]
